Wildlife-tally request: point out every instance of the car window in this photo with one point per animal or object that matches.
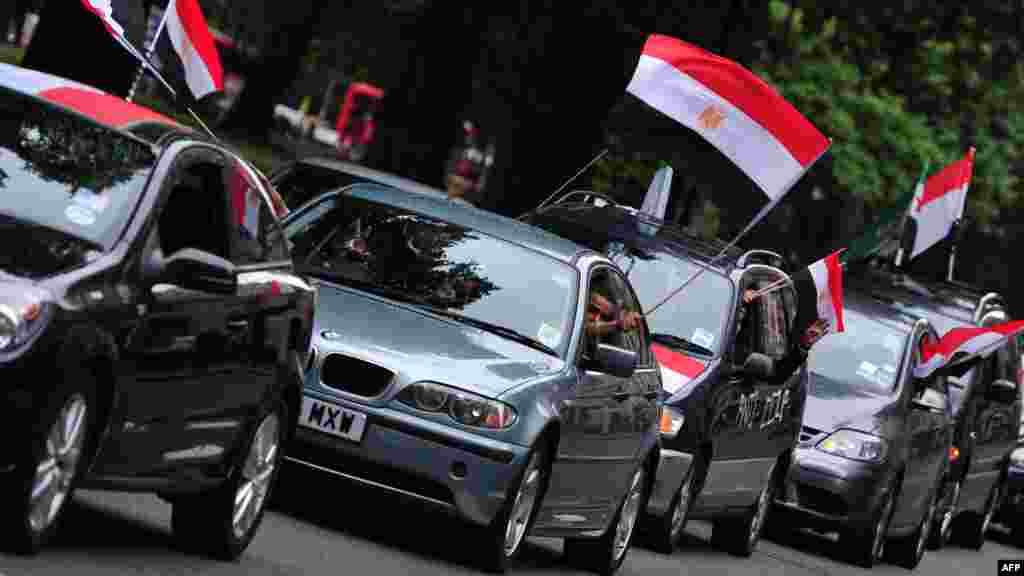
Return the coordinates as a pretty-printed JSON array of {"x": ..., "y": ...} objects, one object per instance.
[
  {"x": 303, "y": 182},
  {"x": 195, "y": 208},
  {"x": 254, "y": 232},
  {"x": 931, "y": 390},
  {"x": 606, "y": 292},
  {"x": 773, "y": 325},
  {"x": 405, "y": 255},
  {"x": 68, "y": 174},
  {"x": 635, "y": 340},
  {"x": 863, "y": 359}
]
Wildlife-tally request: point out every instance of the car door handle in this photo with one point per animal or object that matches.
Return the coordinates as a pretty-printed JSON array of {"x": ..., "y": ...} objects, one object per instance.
[
  {"x": 651, "y": 395},
  {"x": 620, "y": 396},
  {"x": 240, "y": 324}
]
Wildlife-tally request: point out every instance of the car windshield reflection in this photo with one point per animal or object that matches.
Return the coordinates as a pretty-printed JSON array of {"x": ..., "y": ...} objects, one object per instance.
[{"x": 865, "y": 357}]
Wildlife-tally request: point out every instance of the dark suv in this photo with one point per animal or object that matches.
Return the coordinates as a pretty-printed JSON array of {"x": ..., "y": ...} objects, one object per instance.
[
  {"x": 731, "y": 410},
  {"x": 986, "y": 400}
]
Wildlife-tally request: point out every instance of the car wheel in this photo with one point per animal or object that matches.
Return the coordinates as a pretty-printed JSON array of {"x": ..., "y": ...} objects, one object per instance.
[
  {"x": 942, "y": 529},
  {"x": 45, "y": 480},
  {"x": 910, "y": 549},
  {"x": 866, "y": 545},
  {"x": 507, "y": 532},
  {"x": 605, "y": 555},
  {"x": 973, "y": 527},
  {"x": 739, "y": 536},
  {"x": 222, "y": 522},
  {"x": 666, "y": 530}
]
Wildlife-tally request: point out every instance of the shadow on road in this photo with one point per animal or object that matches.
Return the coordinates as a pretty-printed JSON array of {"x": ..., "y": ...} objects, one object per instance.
[
  {"x": 85, "y": 526},
  {"x": 391, "y": 521}
]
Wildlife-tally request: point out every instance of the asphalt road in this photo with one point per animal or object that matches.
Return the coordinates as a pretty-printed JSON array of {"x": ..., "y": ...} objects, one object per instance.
[{"x": 339, "y": 529}]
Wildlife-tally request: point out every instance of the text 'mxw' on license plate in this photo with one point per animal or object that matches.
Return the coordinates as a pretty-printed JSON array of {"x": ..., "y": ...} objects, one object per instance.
[{"x": 332, "y": 419}]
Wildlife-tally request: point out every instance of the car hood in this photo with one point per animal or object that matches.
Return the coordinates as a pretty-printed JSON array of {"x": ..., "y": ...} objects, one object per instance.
[
  {"x": 833, "y": 404},
  {"x": 418, "y": 345}
]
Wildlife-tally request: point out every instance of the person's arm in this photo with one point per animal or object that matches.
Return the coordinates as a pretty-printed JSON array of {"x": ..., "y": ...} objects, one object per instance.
[{"x": 788, "y": 364}]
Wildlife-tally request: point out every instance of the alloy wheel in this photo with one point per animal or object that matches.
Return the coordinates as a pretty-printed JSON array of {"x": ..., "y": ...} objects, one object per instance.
[
  {"x": 58, "y": 466},
  {"x": 522, "y": 509},
  {"x": 628, "y": 515},
  {"x": 878, "y": 543},
  {"x": 257, "y": 474},
  {"x": 757, "y": 522},
  {"x": 681, "y": 508}
]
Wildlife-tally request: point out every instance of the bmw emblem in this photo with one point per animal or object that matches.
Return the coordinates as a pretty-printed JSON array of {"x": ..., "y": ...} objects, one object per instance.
[{"x": 330, "y": 335}]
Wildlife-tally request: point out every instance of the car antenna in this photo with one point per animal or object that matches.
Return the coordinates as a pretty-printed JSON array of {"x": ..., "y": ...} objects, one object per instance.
[{"x": 573, "y": 177}]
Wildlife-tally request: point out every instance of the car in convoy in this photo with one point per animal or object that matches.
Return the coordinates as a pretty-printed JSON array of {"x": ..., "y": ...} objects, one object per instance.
[
  {"x": 985, "y": 400},
  {"x": 731, "y": 409},
  {"x": 152, "y": 328},
  {"x": 874, "y": 447},
  {"x": 1010, "y": 512},
  {"x": 452, "y": 364},
  {"x": 307, "y": 178}
]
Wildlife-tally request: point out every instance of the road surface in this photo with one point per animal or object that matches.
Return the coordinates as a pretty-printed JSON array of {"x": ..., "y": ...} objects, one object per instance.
[{"x": 340, "y": 529}]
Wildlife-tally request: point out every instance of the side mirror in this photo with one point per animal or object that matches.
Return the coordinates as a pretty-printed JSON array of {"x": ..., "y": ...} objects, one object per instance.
[
  {"x": 198, "y": 270},
  {"x": 929, "y": 400},
  {"x": 1002, "y": 391},
  {"x": 759, "y": 366},
  {"x": 614, "y": 361}
]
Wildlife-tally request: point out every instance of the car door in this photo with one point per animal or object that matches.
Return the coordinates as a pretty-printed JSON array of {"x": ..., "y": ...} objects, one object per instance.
[
  {"x": 993, "y": 426},
  {"x": 752, "y": 415},
  {"x": 597, "y": 447},
  {"x": 175, "y": 356},
  {"x": 927, "y": 435}
]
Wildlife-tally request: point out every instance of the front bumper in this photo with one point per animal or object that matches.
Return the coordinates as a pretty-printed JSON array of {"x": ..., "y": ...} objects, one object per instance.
[
  {"x": 831, "y": 492},
  {"x": 413, "y": 457},
  {"x": 672, "y": 468}
]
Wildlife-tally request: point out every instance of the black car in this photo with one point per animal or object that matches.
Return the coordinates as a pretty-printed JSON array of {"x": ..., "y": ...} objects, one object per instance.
[
  {"x": 875, "y": 441},
  {"x": 151, "y": 328},
  {"x": 734, "y": 396},
  {"x": 986, "y": 401}
]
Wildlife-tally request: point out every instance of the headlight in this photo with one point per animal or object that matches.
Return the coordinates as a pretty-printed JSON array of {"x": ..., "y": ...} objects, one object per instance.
[
  {"x": 855, "y": 446},
  {"x": 671, "y": 422},
  {"x": 463, "y": 407},
  {"x": 20, "y": 322},
  {"x": 1017, "y": 457}
]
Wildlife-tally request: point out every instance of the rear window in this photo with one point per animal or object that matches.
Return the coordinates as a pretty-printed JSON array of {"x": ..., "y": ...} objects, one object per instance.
[{"x": 68, "y": 174}]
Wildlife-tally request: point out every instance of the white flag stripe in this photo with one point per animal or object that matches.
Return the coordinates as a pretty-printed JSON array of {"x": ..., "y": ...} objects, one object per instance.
[
  {"x": 33, "y": 82},
  {"x": 936, "y": 218},
  {"x": 671, "y": 380},
  {"x": 197, "y": 75},
  {"x": 745, "y": 142},
  {"x": 980, "y": 344}
]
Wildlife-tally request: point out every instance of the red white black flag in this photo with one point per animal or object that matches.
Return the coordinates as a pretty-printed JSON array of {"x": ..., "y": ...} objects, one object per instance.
[
  {"x": 819, "y": 289},
  {"x": 964, "y": 343},
  {"x": 187, "y": 51}
]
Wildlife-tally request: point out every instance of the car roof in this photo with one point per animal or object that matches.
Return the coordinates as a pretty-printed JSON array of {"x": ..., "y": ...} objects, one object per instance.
[
  {"x": 878, "y": 308},
  {"x": 638, "y": 230},
  {"x": 92, "y": 103},
  {"x": 438, "y": 206},
  {"x": 371, "y": 175}
]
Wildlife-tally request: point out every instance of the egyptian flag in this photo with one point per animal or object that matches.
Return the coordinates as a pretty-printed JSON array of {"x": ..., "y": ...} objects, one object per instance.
[
  {"x": 245, "y": 198},
  {"x": 730, "y": 107},
  {"x": 964, "y": 343},
  {"x": 677, "y": 369},
  {"x": 939, "y": 202},
  {"x": 187, "y": 51},
  {"x": 819, "y": 290}
]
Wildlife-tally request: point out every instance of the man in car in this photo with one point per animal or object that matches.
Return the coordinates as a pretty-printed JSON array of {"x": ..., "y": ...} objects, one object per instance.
[
  {"x": 785, "y": 366},
  {"x": 605, "y": 317}
]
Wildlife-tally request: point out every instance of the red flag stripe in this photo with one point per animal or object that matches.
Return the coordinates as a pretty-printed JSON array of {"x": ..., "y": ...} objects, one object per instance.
[
  {"x": 677, "y": 362},
  {"x": 762, "y": 103},
  {"x": 835, "y": 285},
  {"x": 199, "y": 35},
  {"x": 949, "y": 179},
  {"x": 102, "y": 108}
]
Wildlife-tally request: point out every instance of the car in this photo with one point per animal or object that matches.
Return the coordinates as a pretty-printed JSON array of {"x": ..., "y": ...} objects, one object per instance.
[
  {"x": 151, "y": 342},
  {"x": 305, "y": 179},
  {"x": 451, "y": 365},
  {"x": 1011, "y": 509},
  {"x": 728, "y": 422},
  {"x": 874, "y": 447},
  {"x": 986, "y": 400}
]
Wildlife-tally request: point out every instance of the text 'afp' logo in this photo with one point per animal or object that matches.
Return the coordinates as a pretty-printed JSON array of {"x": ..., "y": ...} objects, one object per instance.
[{"x": 1011, "y": 566}]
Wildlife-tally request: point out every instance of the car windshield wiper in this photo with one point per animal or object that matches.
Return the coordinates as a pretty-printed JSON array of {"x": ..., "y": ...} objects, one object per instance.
[
  {"x": 496, "y": 329},
  {"x": 680, "y": 342},
  {"x": 387, "y": 292}
]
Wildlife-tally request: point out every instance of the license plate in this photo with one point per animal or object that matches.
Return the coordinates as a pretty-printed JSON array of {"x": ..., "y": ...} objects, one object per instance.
[{"x": 332, "y": 419}]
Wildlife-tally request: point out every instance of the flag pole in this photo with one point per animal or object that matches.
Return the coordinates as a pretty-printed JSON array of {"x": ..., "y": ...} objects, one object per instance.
[
  {"x": 149, "y": 53},
  {"x": 573, "y": 177},
  {"x": 958, "y": 224},
  {"x": 760, "y": 215}
]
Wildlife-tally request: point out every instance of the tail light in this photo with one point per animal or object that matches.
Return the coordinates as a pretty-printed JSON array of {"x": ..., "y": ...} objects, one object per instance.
[{"x": 954, "y": 454}]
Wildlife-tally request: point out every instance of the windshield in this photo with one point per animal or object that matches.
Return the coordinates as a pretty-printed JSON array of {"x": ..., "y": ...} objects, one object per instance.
[
  {"x": 697, "y": 314},
  {"x": 412, "y": 257},
  {"x": 68, "y": 174},
  {"x": 864, "y": 358}
]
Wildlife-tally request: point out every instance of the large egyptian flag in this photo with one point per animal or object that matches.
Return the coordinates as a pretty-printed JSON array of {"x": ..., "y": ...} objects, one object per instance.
[
  {"x": 939, "y": 202},
  {"x": 819, "y": 289},
  {"x": 187, "y": 51},
  {"x": 961, "y": 344},
  {"x": 730, "y": 107}
]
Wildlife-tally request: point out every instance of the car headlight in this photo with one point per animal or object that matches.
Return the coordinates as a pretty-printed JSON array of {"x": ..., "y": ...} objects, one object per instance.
[
  {"x": 671, "y": 422},
  {"x": 463, "y": 407},
  {"x": 21, "y": 318},
  {"x": 855, "y": 446},
  {"x": 1017, "y": 457}
]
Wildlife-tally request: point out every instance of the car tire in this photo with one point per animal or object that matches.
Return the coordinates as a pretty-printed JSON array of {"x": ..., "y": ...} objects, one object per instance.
[
  {"x": 215, "y": 522},
  {"x": 908, "y": 551},
  {"x": 972, "y": 527},
  {"x": 866, "y": 544},
  {"x": 665, "y": 531},
  {"x": 45, "y": 479},
  {"x": 506, "y": 534},
  {"x": 942, "y": 528},
  {"x": 739, "y": 536},
  {"x": 605, "y": 555}
]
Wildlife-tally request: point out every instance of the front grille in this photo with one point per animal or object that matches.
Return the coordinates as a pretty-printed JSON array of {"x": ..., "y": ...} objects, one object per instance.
[
  {"x": 807, "y": 433},
  {"x": 354, "y": 376},
  {"x": 372, "y": 472},
  {"x": 821, "y": 501}
]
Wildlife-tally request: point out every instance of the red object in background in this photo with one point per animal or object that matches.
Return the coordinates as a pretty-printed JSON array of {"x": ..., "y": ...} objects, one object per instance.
[{"x": 373, "y": 93}]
